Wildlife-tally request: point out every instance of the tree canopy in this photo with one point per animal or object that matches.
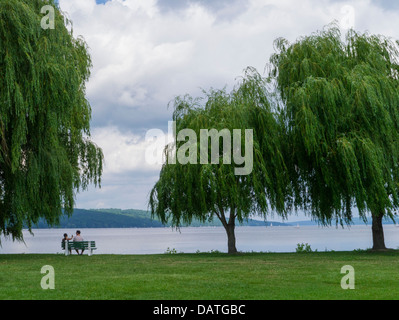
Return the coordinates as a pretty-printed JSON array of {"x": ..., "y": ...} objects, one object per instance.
[
  {"x": 46, "y": 154},
  {"x": 209, "y": 190},
  {"x": 340, "y": 111}
]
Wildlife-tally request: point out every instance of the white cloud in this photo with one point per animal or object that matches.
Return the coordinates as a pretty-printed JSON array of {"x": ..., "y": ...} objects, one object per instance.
[
  {"x": 124, "y": 152},
  {"x": 128, "y": 175}
]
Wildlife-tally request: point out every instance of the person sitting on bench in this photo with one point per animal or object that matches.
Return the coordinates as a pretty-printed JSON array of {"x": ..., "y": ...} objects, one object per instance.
[
  {"x": 78, "y": 238},
  {"x": 65, "y": 239}
]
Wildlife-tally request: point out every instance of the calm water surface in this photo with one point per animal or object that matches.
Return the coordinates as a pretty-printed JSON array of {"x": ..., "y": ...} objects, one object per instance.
[{"x": 189, "y": 240}]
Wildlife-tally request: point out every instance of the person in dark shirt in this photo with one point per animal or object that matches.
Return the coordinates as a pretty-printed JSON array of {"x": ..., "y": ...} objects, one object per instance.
[{"x": 65, "y": 239}]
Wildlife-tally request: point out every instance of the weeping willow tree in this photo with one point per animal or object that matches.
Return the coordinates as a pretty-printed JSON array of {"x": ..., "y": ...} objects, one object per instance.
[
  {"x": 194, "y": 187},
  {"x": 340, "y": 102},
  {"x": 46, "y": 154}
]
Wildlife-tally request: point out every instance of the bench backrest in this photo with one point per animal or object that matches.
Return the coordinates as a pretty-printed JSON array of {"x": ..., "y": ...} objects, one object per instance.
[{"x": 79, "y": 244}]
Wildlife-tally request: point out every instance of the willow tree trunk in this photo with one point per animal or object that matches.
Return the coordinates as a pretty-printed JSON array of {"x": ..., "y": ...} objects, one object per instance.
[
  {"x": 231, "y": 237},
  {"x": 229, "y": 226},
  {"x": 378, "y": 232}
]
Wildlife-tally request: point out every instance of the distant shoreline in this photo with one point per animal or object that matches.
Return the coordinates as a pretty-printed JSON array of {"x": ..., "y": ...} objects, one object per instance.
[{"x": 132, "y": 218}]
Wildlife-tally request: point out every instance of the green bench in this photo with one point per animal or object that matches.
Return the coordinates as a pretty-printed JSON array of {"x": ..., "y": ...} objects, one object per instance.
[{"x": 88, "y": 246}]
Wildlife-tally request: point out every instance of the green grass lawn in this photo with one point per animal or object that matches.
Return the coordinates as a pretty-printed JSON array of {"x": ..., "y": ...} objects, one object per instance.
[{"x": 213, "y": 276}]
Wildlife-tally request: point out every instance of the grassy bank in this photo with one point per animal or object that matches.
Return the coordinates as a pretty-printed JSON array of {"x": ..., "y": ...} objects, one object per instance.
[{"x": 202, "y": 276}]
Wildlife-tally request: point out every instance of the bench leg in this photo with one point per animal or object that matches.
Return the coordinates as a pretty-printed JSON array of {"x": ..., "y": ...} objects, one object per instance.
[{"x": 90, "y": 248}]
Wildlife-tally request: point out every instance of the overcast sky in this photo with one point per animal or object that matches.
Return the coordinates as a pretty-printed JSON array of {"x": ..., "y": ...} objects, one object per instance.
[{"x": 146, "y": 52}]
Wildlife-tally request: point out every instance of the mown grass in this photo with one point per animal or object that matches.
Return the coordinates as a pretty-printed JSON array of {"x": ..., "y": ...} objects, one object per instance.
[{"x": 203, "y": 276}]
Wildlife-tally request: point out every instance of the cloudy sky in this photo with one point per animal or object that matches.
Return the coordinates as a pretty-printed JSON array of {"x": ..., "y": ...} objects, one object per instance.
[{"x": 146, "y": 52}]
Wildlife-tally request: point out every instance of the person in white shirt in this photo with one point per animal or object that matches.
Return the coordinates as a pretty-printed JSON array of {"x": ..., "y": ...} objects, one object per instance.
[{"x": 78, "y": 237}]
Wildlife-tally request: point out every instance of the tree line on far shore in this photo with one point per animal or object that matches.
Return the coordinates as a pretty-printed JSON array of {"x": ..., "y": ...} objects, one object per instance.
[{"x": 131, "y": 218}]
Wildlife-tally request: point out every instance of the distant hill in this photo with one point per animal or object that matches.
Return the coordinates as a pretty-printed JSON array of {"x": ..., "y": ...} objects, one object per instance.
[
  {"x": 82, "y": 218},
  {"x": 132, "y": 218},
  {"x": 356, "y": 221},
  {"x": 117, "y": 218}
]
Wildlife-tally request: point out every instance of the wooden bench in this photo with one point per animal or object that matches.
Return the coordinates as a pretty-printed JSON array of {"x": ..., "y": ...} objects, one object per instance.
[{"x": 79, "y": 245}]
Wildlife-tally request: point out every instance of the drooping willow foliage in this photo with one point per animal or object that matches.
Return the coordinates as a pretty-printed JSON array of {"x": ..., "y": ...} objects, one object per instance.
[
  {"x": 46, "y": 154},
  {"x": 326, "y": 136},
  {"x": 206, "y": 191},
  {"x": 341, "y": 118}
]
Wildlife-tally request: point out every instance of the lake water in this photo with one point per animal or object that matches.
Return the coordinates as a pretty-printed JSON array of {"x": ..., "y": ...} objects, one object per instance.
[{"x": 189, "y": 240}]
